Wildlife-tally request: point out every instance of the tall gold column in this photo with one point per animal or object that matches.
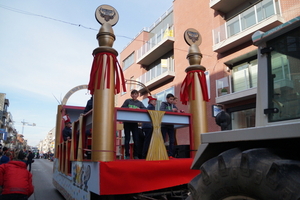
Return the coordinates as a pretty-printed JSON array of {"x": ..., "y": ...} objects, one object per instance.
[
  {"x": 194, "y": 88},
  {"x": 103, "y": 123},
  {"x": 58, "y": 129},
  {"x": 105, "y": 71}
]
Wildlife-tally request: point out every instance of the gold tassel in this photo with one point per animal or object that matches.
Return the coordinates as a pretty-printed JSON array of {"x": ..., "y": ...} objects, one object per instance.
[{"x": 157, "y": 149}]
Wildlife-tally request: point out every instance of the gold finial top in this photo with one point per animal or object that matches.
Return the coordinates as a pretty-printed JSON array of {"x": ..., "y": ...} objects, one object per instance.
[
  {"x": 192, "y": 36},
  {"x": 107, "y": 14}
]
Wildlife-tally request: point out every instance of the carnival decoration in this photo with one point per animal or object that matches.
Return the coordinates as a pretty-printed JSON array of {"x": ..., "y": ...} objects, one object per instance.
[
  {"x": 106, "y": 80},
  {"x": 194, "y": 88},
  {"x": 157, "y": 149}
]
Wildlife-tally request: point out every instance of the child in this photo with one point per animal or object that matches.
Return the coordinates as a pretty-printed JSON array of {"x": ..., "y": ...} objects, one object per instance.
[
  {"x": 175, "y": 102},
  {"x": 133, "y": 127},
  {"x": 169, "y": 107}
]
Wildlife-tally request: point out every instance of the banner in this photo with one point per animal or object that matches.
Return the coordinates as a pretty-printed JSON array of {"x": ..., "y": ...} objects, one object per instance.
[{"x": 3, "y": 134}]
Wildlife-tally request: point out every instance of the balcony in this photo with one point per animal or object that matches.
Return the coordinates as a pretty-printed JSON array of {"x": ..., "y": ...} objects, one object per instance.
[
  {"x": 158, "y": 74},
  {"x": 238, "y": 30},
  {"x": 160, "y": 44},
  {"x": 231, "y": 90},
  {"x": 225, "y": 6}
]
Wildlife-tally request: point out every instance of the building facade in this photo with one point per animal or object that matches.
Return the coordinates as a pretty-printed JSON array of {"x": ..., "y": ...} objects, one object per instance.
[
  {"x": 9, "y": 136},
  {"x": 4, "y": 103},
  {"x": 47, "y": 145},
  {"x": 8, "y": 133},
  {"x": 157, "y": 56}
]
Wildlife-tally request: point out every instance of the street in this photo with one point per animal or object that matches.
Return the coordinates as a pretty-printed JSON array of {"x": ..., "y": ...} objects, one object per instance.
[{"x": 41, "y": 171}]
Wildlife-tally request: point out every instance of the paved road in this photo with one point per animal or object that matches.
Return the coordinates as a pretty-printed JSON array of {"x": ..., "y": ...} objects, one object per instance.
[{"x": 42, "y": 171}]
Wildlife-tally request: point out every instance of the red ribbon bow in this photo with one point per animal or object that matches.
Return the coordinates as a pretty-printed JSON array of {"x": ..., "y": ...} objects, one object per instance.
[
  {"x": 98, "y": 65},
  {"x": 189, "y": 80}
]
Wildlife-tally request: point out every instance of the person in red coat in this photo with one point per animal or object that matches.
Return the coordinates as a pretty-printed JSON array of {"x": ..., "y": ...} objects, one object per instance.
[{"x": 15, "y": 179}]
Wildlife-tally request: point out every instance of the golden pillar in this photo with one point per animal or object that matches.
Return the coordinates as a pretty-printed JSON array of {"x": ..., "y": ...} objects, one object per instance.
[
  {"x": 103, "y": 123},
  {"x": 58, "y": 129},
  {"x": 105, "y": 72},
  {"x": 194, "y": 88}
]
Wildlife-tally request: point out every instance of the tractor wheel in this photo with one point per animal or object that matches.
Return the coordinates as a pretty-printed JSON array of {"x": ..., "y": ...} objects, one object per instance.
[{"x": 255, "y": 174}]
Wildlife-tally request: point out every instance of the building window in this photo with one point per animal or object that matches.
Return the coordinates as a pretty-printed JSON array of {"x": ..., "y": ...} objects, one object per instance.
[
  {"x": 128, "y": 61},
  {"x": 246, "y": 19},
  {"x": 285, "y": 87},
  {"x": 242, "y": 116},
  {"x": 132, "y": 83},
  {"x": 207, "y": 83},
  {"x": 244, "y": 76},
  {"x": 243, "y": 119},
  {"x": 284, "y": 73},
  {"x": 265, "y": 9},
  {"x": 233, "y": 26},
  {"x": 163, "y": 65}
]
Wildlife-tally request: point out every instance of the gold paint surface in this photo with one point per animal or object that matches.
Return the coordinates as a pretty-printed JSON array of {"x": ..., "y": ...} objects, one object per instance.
[
  {"x": 80, "y": 139},
  {"x": 195, "y": 67},
  {"x": 58, "y": 129},
  {"x": 198, "y": 110},
  {"x": 72, "y": 155},
  {"x": 103, "y": 119}
]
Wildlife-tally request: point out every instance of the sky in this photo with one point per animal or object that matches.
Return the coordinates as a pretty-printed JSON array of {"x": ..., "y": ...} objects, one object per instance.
[{"x": 46, "y": 50}]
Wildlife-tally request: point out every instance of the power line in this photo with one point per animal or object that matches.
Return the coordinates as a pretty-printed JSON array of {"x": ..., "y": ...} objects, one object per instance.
[
  {"x": 38, "y": 15},
  {"x": 72, "y": 24}
]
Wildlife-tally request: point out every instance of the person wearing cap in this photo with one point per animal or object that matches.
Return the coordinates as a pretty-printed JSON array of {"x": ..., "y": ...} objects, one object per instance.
[
  {"x": 133, "y": 103},
  {"x": 147, "y": 127}
]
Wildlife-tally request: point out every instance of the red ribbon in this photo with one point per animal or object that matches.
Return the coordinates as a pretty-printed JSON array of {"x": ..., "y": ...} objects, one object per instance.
[
  {"x": 189, "y": 81},
  {"x": 98, "y": 66}
]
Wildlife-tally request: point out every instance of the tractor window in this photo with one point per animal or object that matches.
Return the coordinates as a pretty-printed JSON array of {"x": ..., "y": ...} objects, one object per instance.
[{"x": 285, "y": 72}]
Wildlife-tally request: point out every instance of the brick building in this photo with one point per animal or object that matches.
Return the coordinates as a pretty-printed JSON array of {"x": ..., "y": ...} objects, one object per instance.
[{"x": 157, "y": 56}]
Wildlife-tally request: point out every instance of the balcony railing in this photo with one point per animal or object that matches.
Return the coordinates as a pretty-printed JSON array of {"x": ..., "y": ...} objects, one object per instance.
[
  {"x": 148, "y": 29},
  {"x": 162, "y": 35},
  {"x": 230, "y": 85},
  {"x": 223, "y": 86},
  {"x": 252, "y": 16},
  {"x": 159, "y": 73}
]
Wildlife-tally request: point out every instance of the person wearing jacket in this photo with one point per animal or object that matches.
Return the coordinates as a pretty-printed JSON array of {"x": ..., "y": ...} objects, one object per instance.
[
  {"x": 67, "y": 131},
  {"x": 89, "y": 105},
  {"x": 30, "y": 157},
  {"x": 133, "y": 103},
  {"x": 15, "y": 179},
  {"x": 147, "y": 127},
  {"x": 168, "y": 106}
]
